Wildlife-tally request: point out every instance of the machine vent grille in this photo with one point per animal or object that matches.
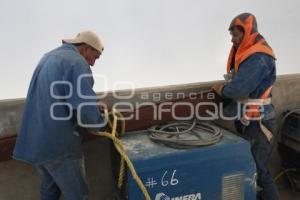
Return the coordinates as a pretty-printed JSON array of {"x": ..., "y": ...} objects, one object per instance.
[{"x": 233, "y": 187}]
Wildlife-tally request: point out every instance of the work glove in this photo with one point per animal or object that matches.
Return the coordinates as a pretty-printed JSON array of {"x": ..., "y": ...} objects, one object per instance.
[{"x": 218, "y": 88}]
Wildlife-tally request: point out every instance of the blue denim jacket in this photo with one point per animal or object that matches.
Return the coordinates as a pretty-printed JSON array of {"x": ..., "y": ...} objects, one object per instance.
[
  {"x": 54, "y": 92},
  {"x": 255, "y": 75}
]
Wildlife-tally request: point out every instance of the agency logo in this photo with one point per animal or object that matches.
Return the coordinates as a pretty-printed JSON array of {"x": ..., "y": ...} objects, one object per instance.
[{"x": 163, "y": 196}]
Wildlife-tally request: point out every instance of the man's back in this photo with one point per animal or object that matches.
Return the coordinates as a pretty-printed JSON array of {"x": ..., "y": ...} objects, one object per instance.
[{"x": 48, "y": 124}]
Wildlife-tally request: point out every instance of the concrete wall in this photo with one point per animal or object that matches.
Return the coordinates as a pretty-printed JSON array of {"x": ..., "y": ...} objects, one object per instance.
[{"x": 19, "y": 180}]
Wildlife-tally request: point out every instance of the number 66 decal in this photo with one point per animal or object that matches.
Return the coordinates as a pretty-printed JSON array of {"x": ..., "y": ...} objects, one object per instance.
[{"x": 165, "y": 181}]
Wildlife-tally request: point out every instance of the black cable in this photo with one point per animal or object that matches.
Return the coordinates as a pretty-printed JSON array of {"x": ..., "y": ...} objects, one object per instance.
[
  {"x": 185, "y": 134},
  {"x": 279, "y": 129}
]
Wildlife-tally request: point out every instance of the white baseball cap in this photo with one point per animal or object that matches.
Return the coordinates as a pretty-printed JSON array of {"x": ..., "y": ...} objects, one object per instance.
[{"x": 87, "y": 37}]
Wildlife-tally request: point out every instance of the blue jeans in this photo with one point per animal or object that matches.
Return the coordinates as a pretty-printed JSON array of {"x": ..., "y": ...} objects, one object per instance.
[
  {"x": 63, "y": 176},
  {"x": 260, "y": 148}
]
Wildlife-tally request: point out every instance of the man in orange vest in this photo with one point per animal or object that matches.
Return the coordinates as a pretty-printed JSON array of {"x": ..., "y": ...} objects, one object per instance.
[{"x": 251, "y": 73}]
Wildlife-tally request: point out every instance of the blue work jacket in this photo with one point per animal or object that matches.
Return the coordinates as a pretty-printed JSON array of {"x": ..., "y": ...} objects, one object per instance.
[
  {"x": 255, "y": 75},
  {"x": 60, "y": 97}
]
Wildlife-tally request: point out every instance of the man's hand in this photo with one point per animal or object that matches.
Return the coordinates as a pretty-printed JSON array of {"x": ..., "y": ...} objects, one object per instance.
[
  {"x": 218, "y": 88},
  {"x": 102, "y": 106}
]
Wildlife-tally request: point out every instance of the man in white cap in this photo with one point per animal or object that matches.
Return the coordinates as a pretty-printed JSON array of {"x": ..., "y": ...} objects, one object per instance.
[
  {"x": 61, "y": 98},
  {"x": 88, "y": 44}
]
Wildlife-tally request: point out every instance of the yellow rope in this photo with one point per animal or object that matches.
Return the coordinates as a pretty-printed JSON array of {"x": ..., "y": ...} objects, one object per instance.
[
  {"x": 283, "y": 172},
  {"x": 118, "y": 145},
  {"x": 117, "y": 115},
  {"x": 278, "y": 176}
]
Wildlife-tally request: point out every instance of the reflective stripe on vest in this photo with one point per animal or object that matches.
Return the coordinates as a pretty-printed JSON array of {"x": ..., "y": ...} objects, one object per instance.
[{"x": 253, "y": 105}]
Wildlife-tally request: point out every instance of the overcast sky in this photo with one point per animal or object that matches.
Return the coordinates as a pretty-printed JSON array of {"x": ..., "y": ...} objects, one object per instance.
[{"x": 147, "y": 42}]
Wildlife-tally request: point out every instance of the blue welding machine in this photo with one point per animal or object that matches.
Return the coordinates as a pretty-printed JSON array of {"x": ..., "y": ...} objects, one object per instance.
[{"x": 223, "y": 171}]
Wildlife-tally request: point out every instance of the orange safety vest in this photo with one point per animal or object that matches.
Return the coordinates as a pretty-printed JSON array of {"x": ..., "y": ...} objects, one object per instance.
[{"x": 253, "y": 42}]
